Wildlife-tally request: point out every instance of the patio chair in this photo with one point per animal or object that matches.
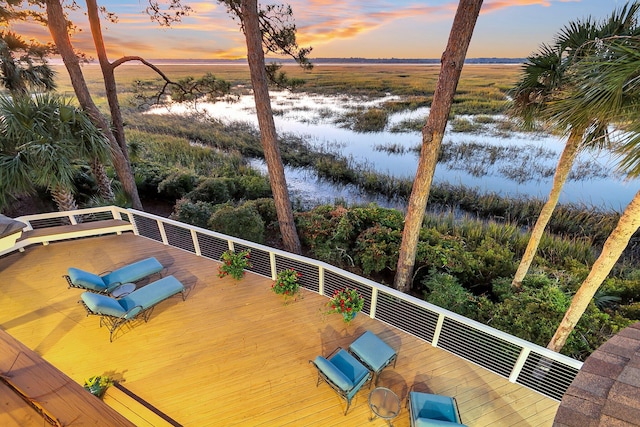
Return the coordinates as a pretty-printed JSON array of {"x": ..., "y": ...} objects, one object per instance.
[
  {"x": 344, "y": 374},
  {"x": 374, "y": 353},
  {"x": 427, "y": 410},
  {"x": 106, "y": 283},
  {"x": 140, "y": 303}
]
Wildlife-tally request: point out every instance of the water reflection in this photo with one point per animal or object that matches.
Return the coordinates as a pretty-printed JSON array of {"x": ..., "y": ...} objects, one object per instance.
[{"x": 521, "y": 164}]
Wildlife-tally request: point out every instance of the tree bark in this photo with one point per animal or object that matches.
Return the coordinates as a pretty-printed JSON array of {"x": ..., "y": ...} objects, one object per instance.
[
  {"x": 565, "y": 163},
  {"x": 108, "y": 76},
  {"x": 255, "y": 57},
  {"x": 102, "y": 180},
  {"x": 57, "y": 24},
  {"x": 432, "y": 134},
  {"x": 613, "y": 247}
]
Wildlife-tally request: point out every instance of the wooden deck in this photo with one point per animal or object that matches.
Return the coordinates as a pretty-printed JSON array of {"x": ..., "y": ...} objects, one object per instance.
[{"x": 232, "y": 354}]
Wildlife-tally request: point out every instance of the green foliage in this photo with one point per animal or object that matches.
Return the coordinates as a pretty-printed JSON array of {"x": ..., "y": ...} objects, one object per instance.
[
  {"x": 194, "y": 213},
  {"x": 234, "y": 264},
  {"x": 266, "y": 208},
  {"x": 286, "y": 283},
  {"x": 176, "y": 185},
  {"x": 370, "y": 120},
  {"x": 213, "y": 190},
  {"x": 242, "y": 221},
  {"x": 148, "y": 177},
  {"x": 346, "y": 302},
  {"x": 377, "y": 248}
]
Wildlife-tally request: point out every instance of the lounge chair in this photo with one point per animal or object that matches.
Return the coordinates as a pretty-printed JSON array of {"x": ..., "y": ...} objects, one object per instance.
[
  {"x": 116, "y": 312},
  {"x": 374, "y": 353},
  {"x": 344, "y": 374},
  {"x": 106, "y": 283},
  {"x": 432, "y": 410}
]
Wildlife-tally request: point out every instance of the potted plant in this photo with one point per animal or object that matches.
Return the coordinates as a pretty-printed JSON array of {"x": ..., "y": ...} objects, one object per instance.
[
  {"x": 234, "y": 264},
  {"x": 346, "y": 302},
  {"x": 98, "y": 384},
  {"x": 286, "y": 283}
]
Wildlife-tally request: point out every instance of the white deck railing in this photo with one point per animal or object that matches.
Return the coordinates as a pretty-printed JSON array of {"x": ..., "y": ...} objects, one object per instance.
[{"x": 520, "y": 361}]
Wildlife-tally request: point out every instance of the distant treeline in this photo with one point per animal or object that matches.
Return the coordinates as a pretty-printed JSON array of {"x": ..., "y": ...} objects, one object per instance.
[{"x": 345, "y": 61}]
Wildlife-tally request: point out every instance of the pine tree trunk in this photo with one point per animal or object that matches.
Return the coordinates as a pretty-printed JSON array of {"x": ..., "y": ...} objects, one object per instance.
[
  {"x": 565, "y": 163},
  {"x": 613, "y": 247},
  {"x": 432, "y": 134},
  {"x": 255, "y": 56},
  {"x": 102, "y": 179},
  {"x": 57, "y": 24},
  {"x": 108, "y": 75}
]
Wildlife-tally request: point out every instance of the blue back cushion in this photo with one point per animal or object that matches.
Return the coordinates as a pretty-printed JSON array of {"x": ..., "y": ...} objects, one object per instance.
[
  {"x": 102, "y": 304},
  {"x": 133, "y": 272},
  {"x": 86, "y": 280},
  {"x": 433, "y": 406},
  {"x": 333, "y": 373}
]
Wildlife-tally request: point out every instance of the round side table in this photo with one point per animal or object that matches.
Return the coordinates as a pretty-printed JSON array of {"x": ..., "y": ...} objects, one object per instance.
[
  {"x": 123, "y": 290},
  {"x": 384, "y": 404}
]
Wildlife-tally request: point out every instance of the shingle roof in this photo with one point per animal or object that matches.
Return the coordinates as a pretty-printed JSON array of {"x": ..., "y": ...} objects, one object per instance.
[{"x": 606, "y": 391}]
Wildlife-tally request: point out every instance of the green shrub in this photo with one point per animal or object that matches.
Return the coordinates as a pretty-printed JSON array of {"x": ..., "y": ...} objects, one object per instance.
[
  {"x": 148, "y": 177},
  {"x": 376, "y": 249},
  {"x": 213, "y": 190},
  {"x": 176, "y": 185},
  {"x": 443, "y": 290},
  {"x": 194, "y": 213},
  {"x": 266, "y": 208},
  {"x": 250, "y": 187},
  {"x": 243, "y": 222}
]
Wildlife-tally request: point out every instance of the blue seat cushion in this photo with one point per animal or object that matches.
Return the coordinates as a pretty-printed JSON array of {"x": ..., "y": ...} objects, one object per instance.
[
  {"x": 349, "y": 366},
  {"x": 433, "y": 407},
  {"x": 133, "y": 272},
  {"x": 372, "y": 351},
  {"x": 102, "y": 304},
  {"x": 426, "y": 422},
  {"x": 153, "y": 293},
  {"x": 86, "y": 280},
  {"x": 333, "y": 373}
]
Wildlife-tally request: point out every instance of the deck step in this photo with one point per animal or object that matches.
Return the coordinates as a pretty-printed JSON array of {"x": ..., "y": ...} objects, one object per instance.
[{"x": 135, "y": 409}]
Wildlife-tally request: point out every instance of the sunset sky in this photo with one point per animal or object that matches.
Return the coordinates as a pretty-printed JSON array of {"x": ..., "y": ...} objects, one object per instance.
[{"x": 346, "y": 28}]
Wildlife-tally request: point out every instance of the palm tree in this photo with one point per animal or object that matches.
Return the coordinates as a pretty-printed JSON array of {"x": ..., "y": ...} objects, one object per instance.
[
  {"x": 40, "y": 139},
  {"x": 608, "y": 81},
  {"x": 544, "y": 83}
]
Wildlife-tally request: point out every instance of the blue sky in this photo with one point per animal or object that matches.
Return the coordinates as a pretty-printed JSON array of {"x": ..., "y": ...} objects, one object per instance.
[{"x": 347, "y": 28}]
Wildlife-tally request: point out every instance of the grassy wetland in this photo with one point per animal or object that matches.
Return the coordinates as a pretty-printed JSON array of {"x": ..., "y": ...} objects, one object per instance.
[{"x": 199, "y": 169}]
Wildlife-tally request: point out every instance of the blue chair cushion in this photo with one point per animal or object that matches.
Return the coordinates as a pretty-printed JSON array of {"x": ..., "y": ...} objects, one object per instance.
[
  {"x": 333, "y": 373},
  {"x": 133, "y": 272},
  {"x": 153, "y": 293},
  {"x": 374, "y": 352},
  {"x": 433, "y": 407},
  {"x": 86, "y": 280},
  {"x": 349, "y": 366},
  {"x": 426, "y": 422},
  {"x": 102, "y": 304}
]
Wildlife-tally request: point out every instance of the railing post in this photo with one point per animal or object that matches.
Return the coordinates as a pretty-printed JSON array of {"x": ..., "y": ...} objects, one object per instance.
[
  {"x": 115, "y": 213},
  {"x": 272, "y": 262},
  {"x": 374, "y": 303},
  {"x": 436, "y": 332},
  {"x": 515, "y": 372},
  {"x": 230, "y": 245},
  {"x": 72, "y": 219},
  {"x": 163, "y": 233},
  {"x": 196, "y": 244},
  {"x": 321, "y": 280}
]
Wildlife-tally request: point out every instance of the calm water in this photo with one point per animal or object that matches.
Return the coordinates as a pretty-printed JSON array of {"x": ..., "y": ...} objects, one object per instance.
[{"x": 520, "y": 164}]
